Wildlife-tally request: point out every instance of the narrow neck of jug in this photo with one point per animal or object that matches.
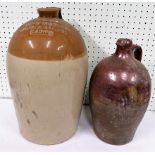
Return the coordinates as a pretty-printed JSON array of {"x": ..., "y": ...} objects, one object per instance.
[
  {"x": 50, "y": 12},
  {"x": 124, "y": 48}
]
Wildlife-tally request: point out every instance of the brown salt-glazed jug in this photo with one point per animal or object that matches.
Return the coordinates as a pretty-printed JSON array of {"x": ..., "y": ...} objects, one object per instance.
[
  {"x": 47, "y": 70},
  {"x": 119, "y": 94}
]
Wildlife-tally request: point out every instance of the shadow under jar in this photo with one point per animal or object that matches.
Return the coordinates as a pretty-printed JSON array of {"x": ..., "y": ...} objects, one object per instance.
[
  {"x": 120, "y": 89},
  {"x": 47, "y": 69}
]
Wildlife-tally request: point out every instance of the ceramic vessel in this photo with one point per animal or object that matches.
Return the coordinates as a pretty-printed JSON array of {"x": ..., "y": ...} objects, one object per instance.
[
  {"x": 120, "y": 90},
  {"x": 47, "y": 70}
]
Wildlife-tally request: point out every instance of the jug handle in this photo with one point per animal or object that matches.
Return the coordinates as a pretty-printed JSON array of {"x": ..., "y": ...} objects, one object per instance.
[
  {"x": 60, "y": 15},
  {"x": 137, "y": 50}
]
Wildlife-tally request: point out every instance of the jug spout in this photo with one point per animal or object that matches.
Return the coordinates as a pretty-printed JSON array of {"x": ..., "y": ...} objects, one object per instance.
[{"x": 52, "y": 12}]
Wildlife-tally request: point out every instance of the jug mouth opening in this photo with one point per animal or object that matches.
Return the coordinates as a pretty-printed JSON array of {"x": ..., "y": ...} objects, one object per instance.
[
  {"x": 54, "y": 12},
  {"x": 124, "y": 43},
  {"x": 49, "y": 9}
]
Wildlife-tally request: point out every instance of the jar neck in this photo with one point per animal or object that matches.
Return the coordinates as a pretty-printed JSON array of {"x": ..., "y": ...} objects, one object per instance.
[
  {"x": 50, "y": 12},
  {"x": 123, "y": 53},
  {"x": 124, "y": 48}
]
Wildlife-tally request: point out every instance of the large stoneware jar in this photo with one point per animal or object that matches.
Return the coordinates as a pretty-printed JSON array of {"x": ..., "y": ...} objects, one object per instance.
[
  {"x": 120, "y": 90},
  {"x": 47, "y": 71}
]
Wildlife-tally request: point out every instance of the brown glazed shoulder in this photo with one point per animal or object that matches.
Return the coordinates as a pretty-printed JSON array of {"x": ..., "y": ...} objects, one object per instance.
[{"x": 47, "y": 39}]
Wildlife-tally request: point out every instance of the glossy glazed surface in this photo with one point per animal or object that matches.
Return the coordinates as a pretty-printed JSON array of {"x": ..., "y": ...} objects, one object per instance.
[
  {"x": 47, "y": 37},
  {"x": 119, "y": 94}
]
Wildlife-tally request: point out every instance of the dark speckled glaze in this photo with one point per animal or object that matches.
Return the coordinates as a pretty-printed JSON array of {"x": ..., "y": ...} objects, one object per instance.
[{"x": 120, "y": 89}]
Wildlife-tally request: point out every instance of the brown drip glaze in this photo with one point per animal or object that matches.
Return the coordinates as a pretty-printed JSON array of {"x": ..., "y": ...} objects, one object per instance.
[
  {"x": 120, "y": 89},
  {"x": 47, "y": 37}
]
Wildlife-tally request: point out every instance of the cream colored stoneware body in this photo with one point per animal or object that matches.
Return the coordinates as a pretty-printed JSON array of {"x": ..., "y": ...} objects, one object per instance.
[{"x": 48, "y": 96}]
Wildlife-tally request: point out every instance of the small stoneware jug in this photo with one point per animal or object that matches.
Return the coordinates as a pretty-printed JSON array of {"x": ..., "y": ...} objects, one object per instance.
[
  {"x": 47, "y": 70},
  {"x": 120, "y": 89}
]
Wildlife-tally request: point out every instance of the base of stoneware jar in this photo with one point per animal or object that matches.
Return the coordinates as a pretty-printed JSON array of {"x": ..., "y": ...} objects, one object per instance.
[
  {"x": 48, "y": 142},
  {"x": 115, "y": 140}
]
